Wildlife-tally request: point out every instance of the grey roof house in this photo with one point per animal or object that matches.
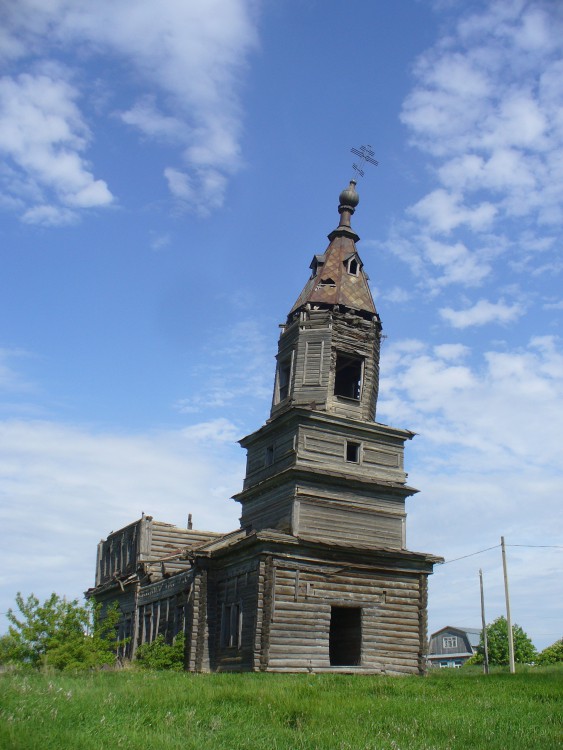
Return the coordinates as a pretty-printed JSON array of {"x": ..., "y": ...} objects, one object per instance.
[{"x": 452, "y": 646}]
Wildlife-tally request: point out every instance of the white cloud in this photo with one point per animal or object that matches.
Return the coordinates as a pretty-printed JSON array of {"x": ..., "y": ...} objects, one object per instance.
[
  {"x": 442, "y": 212},
  {"x": 456, "y": 262},
  {"x": 486, "y": 107},
  {"x": 482, "y": 313},
  {"x": 396, "y": 294},
  {"x": 188, "y": 58},
  {"x": 487, "y": 458},
  {"x": 474, "y": 406},
  {"x": 239, "y": 370},
  {"x": 145, "y": 116},
  {"x": 179, "y": 184},
  {"x": 43, "y": 134},
  {"x": 63, "y": 487},
  {"x": 554, "y": 305}
]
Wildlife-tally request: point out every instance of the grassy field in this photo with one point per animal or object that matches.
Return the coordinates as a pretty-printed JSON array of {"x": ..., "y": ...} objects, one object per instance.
[{"x": 450, "y": 709}]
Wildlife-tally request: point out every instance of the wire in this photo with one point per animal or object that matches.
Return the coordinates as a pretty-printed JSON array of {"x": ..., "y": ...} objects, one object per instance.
[
  {"x": 548, "y": 546},
  {"x": 471, "y": 555},
  {"x": 534, "y": 546}
]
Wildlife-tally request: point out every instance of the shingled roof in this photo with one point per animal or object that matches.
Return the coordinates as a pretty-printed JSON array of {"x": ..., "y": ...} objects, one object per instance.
[{"x": 338, "y": 276}]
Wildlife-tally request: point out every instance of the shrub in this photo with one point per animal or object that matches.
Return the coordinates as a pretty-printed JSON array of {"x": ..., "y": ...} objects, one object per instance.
[
  {"x": 162, "y": 655},
  {"x": 59, "y": 633}
]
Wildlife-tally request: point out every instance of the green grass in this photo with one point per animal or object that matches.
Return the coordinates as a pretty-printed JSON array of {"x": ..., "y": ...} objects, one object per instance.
[{"x": 450, "y": 709}]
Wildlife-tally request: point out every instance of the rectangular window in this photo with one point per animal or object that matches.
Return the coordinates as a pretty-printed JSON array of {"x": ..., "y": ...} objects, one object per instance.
[
  {"x": 231, "y": 626},
  {"x": 269, "y": 457},
  {"x": 449, "y": 641},
  {"x": 348, "y": 376},
  {"x": 353, "y": 452},
  {"x": 345, "y": 638}
]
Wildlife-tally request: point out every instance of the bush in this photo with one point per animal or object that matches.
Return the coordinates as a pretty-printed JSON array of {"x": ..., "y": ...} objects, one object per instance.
[
  {"x": 60, "y": 634},
  {"x": 161, "y": 655}
]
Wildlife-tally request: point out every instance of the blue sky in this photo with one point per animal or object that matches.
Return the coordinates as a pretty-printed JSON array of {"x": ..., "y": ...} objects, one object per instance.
[{"x": 167, "y": 172}]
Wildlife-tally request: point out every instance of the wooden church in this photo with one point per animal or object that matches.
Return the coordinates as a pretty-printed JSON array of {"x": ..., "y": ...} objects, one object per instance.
[{"x": 317, "y": 578}]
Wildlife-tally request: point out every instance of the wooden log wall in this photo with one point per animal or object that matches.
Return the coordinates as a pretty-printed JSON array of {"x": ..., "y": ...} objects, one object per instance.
[
  {"x": 331, "y": 518},
  {"x": 300, "y": 613}
]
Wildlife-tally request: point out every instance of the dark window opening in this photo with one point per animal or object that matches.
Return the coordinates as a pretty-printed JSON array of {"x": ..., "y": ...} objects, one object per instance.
[
  {"x": 284, "y": 378},
  {"x": 352, "y": 452},
  {"x": 353, "y": 267},
  {"x": 348, "y": 376},
  {"x": 327, "y": 282},
  {"x": 269, "y": 455},
  {"x": 345, "y": 641}
]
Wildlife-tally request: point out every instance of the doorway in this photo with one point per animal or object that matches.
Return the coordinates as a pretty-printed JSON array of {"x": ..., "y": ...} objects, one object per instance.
[{"x": 345, "y": 640}]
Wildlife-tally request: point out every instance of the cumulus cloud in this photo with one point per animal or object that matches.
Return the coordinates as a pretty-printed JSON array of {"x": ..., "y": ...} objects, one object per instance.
[
  {"x": 62, "y": 487},
  {"x": 43, "y": 135},
  {"x": 442, "y": 212},
  {"x": 487, "y": 458},
  {"x": 482, "y": 313},
  {"x": 187, "y": 58},
  {"x": 486, "y": 110},
  {"x": 472, "y": 404}
]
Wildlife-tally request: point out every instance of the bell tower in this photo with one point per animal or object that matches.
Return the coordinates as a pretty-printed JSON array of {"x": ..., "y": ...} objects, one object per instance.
[
  {"x": 328, "y": 354},
  {"x": 321, "y": 468}
]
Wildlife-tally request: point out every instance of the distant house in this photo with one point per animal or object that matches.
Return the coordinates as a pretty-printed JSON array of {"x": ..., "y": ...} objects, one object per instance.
[{"x": 452, "y": 647}]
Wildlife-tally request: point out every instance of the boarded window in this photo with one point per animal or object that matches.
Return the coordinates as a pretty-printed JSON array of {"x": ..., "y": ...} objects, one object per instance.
[
  {"x": 348, "y": 376},
  {"x": 313, "y": 363},
  {"x": 345, "y": 642},
  {"x": 231, "y": 626}
]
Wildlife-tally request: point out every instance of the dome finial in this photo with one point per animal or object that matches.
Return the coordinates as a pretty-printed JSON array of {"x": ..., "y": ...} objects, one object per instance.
[{"x": 347, "y": 202}]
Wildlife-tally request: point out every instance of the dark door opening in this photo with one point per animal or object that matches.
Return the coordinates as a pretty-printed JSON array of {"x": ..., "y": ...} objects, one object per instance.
[{"x": 345, "y": 641}]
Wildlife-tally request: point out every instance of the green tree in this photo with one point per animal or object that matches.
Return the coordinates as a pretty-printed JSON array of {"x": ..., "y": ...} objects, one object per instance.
[
  {"x": 497, "y": 640},
  {"x": 552, "y": 654},
  {"x": 59, "y": 633}
]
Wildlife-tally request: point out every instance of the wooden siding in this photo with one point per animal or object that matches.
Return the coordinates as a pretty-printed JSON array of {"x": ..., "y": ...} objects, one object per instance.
[
  {"x": 325, "y": 445},
  {"x": 273, "y": 510},
  {"x": 331, "y": 519}
]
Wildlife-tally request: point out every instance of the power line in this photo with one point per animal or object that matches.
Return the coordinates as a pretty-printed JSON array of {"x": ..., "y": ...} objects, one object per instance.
[
  {"x": 532, "y": 546},
  {"x": 472, "y": 554}
]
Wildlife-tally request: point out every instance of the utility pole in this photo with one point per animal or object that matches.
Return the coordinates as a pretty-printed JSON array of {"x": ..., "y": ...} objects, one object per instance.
[
  {"x": 508, "y": 619},
  {"x": 485, "y": 643}
]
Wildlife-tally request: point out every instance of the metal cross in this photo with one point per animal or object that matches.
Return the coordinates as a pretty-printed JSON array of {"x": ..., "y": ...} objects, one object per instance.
[{"x": 366, "y": 155}]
